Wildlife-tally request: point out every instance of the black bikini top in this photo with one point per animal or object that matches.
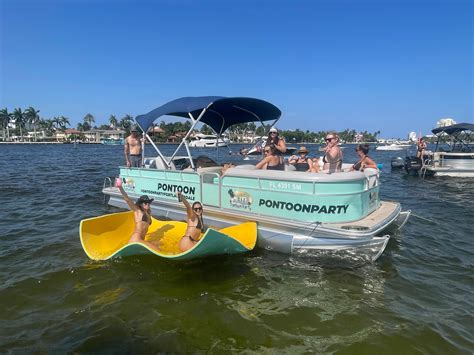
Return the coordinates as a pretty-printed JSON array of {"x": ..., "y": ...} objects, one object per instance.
[
  {"x": 357, "y": 165},
  {"x": 146, "y": 219},
  {"x": 276, "y": 167}
]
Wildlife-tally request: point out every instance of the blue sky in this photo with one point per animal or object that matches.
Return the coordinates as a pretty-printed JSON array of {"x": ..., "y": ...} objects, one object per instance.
[{"x": 393, "y": 66}]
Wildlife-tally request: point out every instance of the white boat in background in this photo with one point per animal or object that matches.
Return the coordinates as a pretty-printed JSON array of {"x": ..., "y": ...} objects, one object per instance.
[
  {"x": 257, "y": 149},
  {"x": 393, "y": 146},
  {"x": 455, "y": 159},
  {"x": 208, "y": 141}
]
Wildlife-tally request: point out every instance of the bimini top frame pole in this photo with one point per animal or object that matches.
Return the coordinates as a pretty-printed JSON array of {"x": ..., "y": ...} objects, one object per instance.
[{"x": 216, "y": 111}]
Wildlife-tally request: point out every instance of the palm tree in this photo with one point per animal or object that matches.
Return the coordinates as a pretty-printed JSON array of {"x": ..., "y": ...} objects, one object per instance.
[
  {"x": 63, "y": 122},
  {"x": 126, "y": 122},
  {"x": 32, "y": 117},
  {"x": 20, "y": 120},
  {"x": 47, "y": 125},
  {"x": 56, "y": 123},
  {"x": 5, "y": 118},
  {"x": 88, "y": 120},
  {"x": 113, "y": 121}
]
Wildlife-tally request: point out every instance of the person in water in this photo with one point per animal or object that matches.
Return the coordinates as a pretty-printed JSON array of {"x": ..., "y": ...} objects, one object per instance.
[
  {"x": 133, "y": 149},
  {"x": 142, "y": 214},
  {"x": 364, "y": 160},
  {"x": 195, "y": 224},
  {"x": 332, "y": 153},
  {"x": 271, "y": 161},
  {"x": 301, "y": 162}
]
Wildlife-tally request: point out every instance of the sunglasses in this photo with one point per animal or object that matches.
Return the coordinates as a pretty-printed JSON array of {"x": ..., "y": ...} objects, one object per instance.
[
  {"x": 273, "y": 133},
  {"x": 329, "y": 139},
  {"x": 267, "y": 151},
  {"x": 197, "y": 208}
]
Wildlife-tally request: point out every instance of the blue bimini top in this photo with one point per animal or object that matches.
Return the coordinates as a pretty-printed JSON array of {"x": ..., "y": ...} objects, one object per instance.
[{"x": 220, "y": 112}]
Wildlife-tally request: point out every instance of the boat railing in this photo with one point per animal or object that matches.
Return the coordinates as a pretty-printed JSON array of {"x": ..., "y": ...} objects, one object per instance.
[{"x": 107, "y": 184}]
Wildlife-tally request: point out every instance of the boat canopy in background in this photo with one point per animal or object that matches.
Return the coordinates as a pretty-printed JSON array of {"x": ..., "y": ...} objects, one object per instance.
[
  {"x": 455, "y": 128},
  {"x": 220, "y": 114}
]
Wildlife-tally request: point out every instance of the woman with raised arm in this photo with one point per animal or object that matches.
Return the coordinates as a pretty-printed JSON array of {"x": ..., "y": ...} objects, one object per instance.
[
  {"x": 142, "y": 214},
  {"x": 195, "y": 223},
  {"x": 332, "y": 153}
]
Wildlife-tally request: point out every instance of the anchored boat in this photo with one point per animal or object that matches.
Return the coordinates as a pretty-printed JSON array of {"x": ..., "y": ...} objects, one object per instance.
[
  {"x": 296, "y": 212},
  {"x": 453, "y": 154},
  {"x": 208, "y": 141}
]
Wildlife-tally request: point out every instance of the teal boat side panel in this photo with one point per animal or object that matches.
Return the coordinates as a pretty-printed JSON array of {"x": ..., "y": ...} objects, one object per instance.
[
  {"x": 304, "y": 207},
  {"x": 212, "y": 243},
  {"x": 149, "y": 183},
  {"x": 210, "y": 194},
  {"x": 297, "y": 187},
  {"x": 340, "y": 187},
  {"x": 332, "y": 201},
  {"x": 241, "y": 182}
]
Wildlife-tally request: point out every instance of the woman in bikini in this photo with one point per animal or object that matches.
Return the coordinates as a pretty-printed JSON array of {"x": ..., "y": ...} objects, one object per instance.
[
  {"x": 420, "y": 149},
  {"x": 301, "y": 162},
  {"x": 364, "y": 161},
  {"x": 142, "y": 214},
  {"x": 271, "y": 161},
  {"x": 332, "y": 153},
  {"x": 195, "y": 224}
]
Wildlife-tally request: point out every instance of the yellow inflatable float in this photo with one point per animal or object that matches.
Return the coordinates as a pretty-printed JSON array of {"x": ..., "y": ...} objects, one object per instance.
[{"x": 107, "y": 236}]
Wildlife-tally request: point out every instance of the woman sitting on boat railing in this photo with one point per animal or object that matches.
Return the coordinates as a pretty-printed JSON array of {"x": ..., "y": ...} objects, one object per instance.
[
  {"x": 195, "y": 223},
  {"x": 142, "y": 214},
  {"x": 365, "y": 161},
  {"x": 271, "y": 161}
]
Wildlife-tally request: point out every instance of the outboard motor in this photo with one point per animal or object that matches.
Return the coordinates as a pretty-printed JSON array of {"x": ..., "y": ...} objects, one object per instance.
[
  {"x": 413, "y": 165},
  {"x": 397, "y": 163}
]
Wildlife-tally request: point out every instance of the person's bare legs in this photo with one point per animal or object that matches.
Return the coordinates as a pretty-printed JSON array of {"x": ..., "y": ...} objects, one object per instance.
[
  {"x": 186, "y": 243},
  {"x": 135, "y": 238}
]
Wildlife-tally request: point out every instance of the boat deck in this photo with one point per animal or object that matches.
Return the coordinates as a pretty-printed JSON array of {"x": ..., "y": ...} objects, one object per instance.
[{"x": 372, "y": 221}]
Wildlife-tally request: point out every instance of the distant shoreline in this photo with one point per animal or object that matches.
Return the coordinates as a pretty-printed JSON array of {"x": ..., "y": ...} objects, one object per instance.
[{"x": 169, "y": 143}]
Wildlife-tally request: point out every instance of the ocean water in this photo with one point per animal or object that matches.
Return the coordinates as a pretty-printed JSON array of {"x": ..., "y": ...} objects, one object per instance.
[{"x": 416, "y": 298}]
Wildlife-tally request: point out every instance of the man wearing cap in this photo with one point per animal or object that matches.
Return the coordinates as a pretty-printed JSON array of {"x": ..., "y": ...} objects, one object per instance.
[{"x": 133, "y": 149}]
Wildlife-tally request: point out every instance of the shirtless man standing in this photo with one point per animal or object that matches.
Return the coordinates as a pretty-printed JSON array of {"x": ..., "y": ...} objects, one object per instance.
[{"x": 133, "y": 149}]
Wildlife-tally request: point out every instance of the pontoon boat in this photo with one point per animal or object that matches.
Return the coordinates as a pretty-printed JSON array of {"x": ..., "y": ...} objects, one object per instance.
[
  {"x": 296, "y": 212},
  {"x": 454, "y": 152}
]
